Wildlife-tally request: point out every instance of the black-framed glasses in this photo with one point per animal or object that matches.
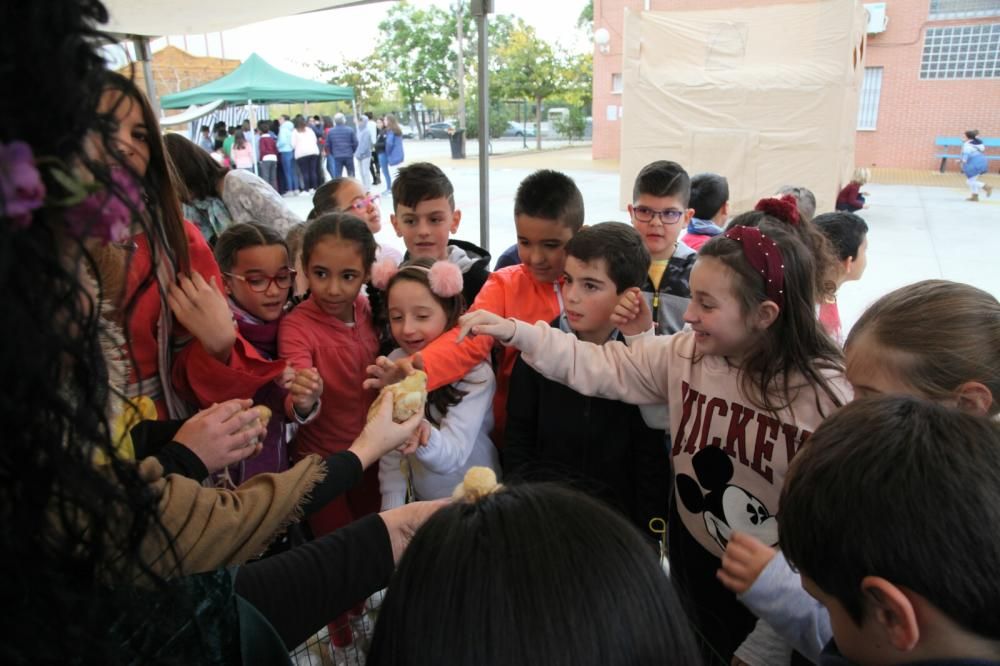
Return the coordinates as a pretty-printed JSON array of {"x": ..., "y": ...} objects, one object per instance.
[
  {"x": 261, "y": 283},
  {"x": 646, "y": 214}
]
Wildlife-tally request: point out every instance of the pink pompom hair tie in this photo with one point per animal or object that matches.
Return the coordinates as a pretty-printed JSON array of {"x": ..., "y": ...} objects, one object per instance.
[
  {"x": 445, "y": 279},
  {"x": 382, "y": 271}
]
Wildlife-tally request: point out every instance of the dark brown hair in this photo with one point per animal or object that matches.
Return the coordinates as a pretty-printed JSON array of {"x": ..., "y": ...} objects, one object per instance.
[
  {"x": 198, "y": 171},
  {"x": 625, "y": 256},
  {"x": 550, "y": 195},
  {"x": 241, "y": 236},
  {"x": 938, "y": 354},
  {"x": 795, "y": 342},
  {"x": 421, "y": 181},
  {"x": 342, "y": 226},
  {"x": 417, "y": 270},
  {"x": 882, "y": 470}
]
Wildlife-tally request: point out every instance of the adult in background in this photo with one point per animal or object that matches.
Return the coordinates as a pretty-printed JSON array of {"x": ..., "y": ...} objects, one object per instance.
[
  {"x": 268, "y": 154},
  {"x": 306, "y": 150},
  {"x": 364, "y": 153},
  {"x": 205, "y": 139},
  {"x": 373, "y": 166},
  {"x": 393, "y": 148},
  {"x": 287, "y": 155},
  {"x": 380, "y": 160},
  {"x": 341, "y": 142},
  {"x": 974, "y": 164},
  {"x": 215, "y": 198}
]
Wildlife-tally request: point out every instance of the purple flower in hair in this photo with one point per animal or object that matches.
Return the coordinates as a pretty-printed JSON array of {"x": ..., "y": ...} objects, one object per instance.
[
  {"x": 107, "y": 214},
  {"x": 21, "y": 186}
]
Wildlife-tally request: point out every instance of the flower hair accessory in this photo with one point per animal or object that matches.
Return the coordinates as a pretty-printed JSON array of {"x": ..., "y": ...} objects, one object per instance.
[
  {"x": 92, "y": 209},
  {"x": 784, "y": 208},
  {"x": 477, "y": 484},
  {"x": 765, "y": 257},
  {"x": 444, "y": 277}
]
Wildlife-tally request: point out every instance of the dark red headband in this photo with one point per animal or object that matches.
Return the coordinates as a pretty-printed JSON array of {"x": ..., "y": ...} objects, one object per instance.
[{"x": 765, "y": 257}]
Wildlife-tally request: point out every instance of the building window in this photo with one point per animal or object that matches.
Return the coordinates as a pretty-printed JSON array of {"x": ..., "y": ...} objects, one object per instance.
[
  {"x": 616, "y": 84},
  {"x": 962, "y": 52},
  {"x": 871, "y": 91},
  {"x": 949, "y": 9}
]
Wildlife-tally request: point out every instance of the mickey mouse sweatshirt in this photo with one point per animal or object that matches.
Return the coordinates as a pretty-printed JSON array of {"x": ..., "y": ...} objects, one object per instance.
[{"x": 729, "y": 456}]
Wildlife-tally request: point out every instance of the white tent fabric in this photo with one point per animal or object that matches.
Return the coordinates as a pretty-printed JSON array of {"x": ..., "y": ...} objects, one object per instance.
[
  {"x": 188, "y": 17},
  {"x": 191, "y": 113}
]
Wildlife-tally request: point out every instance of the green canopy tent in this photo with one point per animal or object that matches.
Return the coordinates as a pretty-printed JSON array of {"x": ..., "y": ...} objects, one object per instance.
[{"x": 258, "y": 81}]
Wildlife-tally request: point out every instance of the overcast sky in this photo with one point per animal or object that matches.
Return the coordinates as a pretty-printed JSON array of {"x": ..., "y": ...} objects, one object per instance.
[{"x": 294, "y": 43}]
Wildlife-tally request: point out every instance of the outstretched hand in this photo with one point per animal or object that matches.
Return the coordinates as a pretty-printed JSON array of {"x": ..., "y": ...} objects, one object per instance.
[
  {"x": 223, "y": 434},
  {"x": 386, "y": 371},
  {"x": 744, "y": 560},
  {"x": 403, "y": 522},
  {"x": 382, "y": 435},
  {"x": 484, "y": 322},
  {"x": 632, "y": 315},
  {"x": 305, "y": 390}
]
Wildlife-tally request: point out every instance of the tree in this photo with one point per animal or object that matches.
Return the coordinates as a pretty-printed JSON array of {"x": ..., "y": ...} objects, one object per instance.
[
  {"x": 366, "y": 79},
  {"x": 578, "y": 79},
  {"x": 530, "y": 70},
  {"x": 416, "y": 47},
  {"x": 586, "y": 18}
]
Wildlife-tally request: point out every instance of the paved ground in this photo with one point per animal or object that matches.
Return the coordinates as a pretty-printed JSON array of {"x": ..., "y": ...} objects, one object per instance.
[{"x": 920, "y": 230}]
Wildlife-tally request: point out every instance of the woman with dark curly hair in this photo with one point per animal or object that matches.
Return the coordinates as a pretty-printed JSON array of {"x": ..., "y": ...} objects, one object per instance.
[{"x": 98, "y": 547}]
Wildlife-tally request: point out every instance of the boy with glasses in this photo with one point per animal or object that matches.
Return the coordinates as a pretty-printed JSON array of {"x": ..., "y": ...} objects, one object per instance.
[{"x": 659, "y": 212}]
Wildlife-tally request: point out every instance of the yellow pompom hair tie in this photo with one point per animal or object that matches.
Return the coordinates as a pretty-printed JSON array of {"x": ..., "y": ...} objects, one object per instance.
[{"x": 477, "y": 484}]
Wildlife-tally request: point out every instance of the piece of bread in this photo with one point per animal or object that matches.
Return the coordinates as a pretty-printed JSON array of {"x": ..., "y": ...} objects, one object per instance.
[{"x": 408, "y": 397}]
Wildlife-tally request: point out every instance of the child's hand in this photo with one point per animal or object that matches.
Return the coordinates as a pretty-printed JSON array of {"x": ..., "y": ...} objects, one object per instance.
[
  {"x": 286, "y": 378},
  {"x": 217, "y": 435},
  {"x": 483, "y": 322},
  {"x": 382, "y": 435},
  {"x": 419, "y": 438},
  {"x": 404, "y": 521},
  {"x": 305, "y": 390},
  {"x": 386, "y": 371},
  {"x": 201, "y": 308},
  {"x": 632, "y": 315},
  {"x": 744, "y": 559}
]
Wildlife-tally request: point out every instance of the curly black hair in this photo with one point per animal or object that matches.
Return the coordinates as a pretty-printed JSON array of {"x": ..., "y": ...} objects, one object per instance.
[{"x": 73, "y": 515}]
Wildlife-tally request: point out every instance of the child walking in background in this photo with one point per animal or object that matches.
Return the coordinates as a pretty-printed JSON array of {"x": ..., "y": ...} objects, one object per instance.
[
  {"x": 330, "y": 339},
  {"x": 745, "y": 386},
  {"x": 424, "y": 299},
  {"x": 851, "y": 198},
  {"x": 242, "y": 153},
  {"x": 848, "y": 235},
  {"x": 974, "y": 164}
]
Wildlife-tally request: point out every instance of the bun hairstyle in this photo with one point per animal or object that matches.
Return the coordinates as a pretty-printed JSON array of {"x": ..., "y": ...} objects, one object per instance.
[
  {"x": 824, "y": 262},
  {"x": 439, "y": 278},
  {"x": 795, "y": 343},
  {"x": 538, "y": 562}
]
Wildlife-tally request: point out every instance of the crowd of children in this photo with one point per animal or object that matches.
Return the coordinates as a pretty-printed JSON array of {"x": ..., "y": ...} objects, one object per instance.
[
  {"x": 817, "y": 494},
  {"x": 689, "y": 367}
]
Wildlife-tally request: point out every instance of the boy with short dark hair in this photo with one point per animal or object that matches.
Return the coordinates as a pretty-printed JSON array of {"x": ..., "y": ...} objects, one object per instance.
[
  {"x": 556, "y": 434},
  {"x": 659, "y": 212},
  {"x": 424, "y": 216},
  {"x": 848, "y": 234},
  {"x": 548, "y": 211},
  {"x": 891, "y": 514},
  {"x": 710, "y": 202}
]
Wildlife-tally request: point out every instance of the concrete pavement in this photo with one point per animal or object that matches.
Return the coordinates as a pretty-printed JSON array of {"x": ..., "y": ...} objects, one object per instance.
[{"x": 917, "y": 232}]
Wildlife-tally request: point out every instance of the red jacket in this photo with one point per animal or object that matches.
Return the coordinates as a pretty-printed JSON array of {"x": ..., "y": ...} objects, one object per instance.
[
  {"x": 509, "y": 292},
  {"x": 310, "y": 338},
  {"x": 198, "y": 378}
]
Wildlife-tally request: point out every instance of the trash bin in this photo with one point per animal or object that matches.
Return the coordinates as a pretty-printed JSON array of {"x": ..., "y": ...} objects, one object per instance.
[{"x": 457, "y": 140}]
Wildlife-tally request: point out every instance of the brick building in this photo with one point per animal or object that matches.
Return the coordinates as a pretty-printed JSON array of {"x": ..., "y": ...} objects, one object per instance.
[
  {"x": 175, "y": 70},
  {"x": 932, "y": 68}
]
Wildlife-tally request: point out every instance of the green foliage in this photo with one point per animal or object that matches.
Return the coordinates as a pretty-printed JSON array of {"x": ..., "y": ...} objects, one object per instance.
[
  {"x": 530, "y": 68},
  {"x": 498, "y": 119},
  {"x": 573, "y": 125},
  {"x": 416, "y": 47},
  {"x": 586, "y": 18},
  {"x": 367, "y": 80},
  {"x": 578, "y": 79}
]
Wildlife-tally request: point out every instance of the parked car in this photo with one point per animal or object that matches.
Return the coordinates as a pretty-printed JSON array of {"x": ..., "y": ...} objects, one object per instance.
[
  {"x": 439, "y": 130},
  {"x": 518, "y": 129}
]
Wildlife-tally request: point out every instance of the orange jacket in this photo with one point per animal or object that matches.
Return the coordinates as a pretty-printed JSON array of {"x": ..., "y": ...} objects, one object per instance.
[{"x": 509, "y": 292}]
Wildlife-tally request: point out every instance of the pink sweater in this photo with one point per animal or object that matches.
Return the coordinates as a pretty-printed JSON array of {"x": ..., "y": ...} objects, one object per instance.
[
  {"x": 729, "y": 456},
  {"x": 309, "y": 337}
]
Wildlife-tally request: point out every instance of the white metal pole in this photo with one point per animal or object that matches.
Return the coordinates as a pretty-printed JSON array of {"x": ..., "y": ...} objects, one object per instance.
[{"x": 480, "y": 9}]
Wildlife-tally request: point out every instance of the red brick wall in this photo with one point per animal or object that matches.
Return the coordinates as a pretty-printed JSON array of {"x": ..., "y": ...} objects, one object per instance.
[{"x": 912, "y": 112}]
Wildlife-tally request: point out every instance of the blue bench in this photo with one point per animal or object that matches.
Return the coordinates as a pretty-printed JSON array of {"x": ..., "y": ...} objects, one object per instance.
[{"x": 947, "y": 142}]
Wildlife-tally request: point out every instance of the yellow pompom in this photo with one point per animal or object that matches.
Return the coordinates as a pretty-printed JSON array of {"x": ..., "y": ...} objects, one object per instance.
[{"x": 478, "y": 482}]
